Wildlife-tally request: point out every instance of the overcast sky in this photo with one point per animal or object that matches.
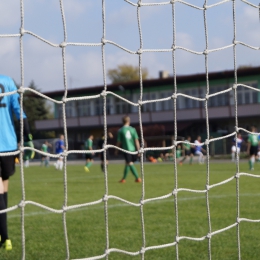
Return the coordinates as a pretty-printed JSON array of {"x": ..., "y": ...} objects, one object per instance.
[{"x": 43, "y": 63}]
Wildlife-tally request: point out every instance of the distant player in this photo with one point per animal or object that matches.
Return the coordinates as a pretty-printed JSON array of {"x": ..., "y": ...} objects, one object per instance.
[
  {"x": 127, "y": 138},
  {"x": 252, "y": 147},
  {"x": 199, "y": 150},
  {"x": 237, "y": 143},
  {"x": 59, "y": 148},
  {"x": 28, "y": 154},
  {"x": 178, "y": 152},
  {"x": 100, "y": 146},
  {"x": 187, "y": 150},
  {"x": 168, "y": 155},
  {"x": 89, "y": 156},
  {"x": 9, "y": 106},
  {"x": 45, "y": 159}
]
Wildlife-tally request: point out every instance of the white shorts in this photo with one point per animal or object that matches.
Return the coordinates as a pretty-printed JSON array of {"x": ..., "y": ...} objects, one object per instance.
[
  {"x": 233, "y": 149},
  {"x": 198, "y": 153}
]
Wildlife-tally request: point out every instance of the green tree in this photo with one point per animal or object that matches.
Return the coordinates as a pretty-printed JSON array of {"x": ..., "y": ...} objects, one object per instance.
[
  {"x": 36, "y": 108},
  {"x": 126, "y": 73}
]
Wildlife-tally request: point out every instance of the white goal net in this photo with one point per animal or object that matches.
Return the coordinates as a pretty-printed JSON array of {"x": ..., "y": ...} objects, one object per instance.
[{"x": 205, "y": 52}]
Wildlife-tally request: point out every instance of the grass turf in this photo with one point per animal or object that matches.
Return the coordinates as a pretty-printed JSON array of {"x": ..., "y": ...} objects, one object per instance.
[{"x": 86, "y": 226}]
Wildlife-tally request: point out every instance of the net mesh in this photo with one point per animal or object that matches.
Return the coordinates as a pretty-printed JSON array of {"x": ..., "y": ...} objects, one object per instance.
[{"x": 103, "y": 95}]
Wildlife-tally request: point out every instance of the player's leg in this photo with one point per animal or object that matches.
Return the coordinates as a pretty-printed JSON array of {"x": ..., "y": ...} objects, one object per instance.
[
  {"x": 191, "y": 158},
  {"x": 57, "y": 164},
  {"x": 88, "y": 162},
  {"x": 47, "y": 161},
  {"x": 197, "y": 154},
  {"x": 102, "y": 161},
  {"x": 3, "y": 216},
  {"x": 233, "y": 153},
  {"x": 127, "y": 168},
  {"x": 7, "y": 169},
  {"x": 60, "y": 165},
  {"x": 252, "y": 157},
  {"x": 133, "y": 169},
  {"x": 238, "y": 152}
]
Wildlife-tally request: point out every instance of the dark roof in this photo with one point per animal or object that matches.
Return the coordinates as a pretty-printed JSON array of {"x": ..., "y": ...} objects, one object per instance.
[{"x": 246, "y": 71}]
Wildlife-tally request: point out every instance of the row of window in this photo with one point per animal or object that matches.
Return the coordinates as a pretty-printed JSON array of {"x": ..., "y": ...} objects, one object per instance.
[{"x": 115, "y": 105}]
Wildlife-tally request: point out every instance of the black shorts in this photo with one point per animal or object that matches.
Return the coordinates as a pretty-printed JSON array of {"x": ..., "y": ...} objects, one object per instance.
[
  {"x": 253, "y": 150},
  {"x": 7, "y": 166},
  {"x": 130, "y": 157},
  {"x": 187, "y": 152},
  {"x": 89, "y": 156},
  {"x": 192, "y": 150},
  {"x": 102, "y": 156}
]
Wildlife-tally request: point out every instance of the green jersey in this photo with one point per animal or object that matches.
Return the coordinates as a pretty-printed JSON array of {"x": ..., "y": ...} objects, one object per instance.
[
  {"x": 127, "y": 136},
  {"x": 88, "y": 144},
  {"x": 186, "y": 146},
  {"x": 253, "y": 139},
  {"x": 178, "y": 152},
  {"x": 45, "y": 148}
]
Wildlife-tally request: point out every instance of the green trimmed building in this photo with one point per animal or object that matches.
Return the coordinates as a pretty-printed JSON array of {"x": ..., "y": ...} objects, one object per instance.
[{"x": 85, "y": 117}]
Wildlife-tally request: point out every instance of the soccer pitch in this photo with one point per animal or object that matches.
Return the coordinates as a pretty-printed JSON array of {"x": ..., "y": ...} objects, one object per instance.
[{"x": 86, "y": 226}]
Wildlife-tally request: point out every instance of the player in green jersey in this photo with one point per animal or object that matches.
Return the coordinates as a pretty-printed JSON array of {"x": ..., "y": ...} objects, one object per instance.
[
  {"x": 252, "y": 147},
  {"x": 128, "y": 139},
  {"x": 89, "y": 156},
  {"x": 101, "y": 146},
  {"x": 187, "y": 150},
  {"x": 45, "y": 159}
]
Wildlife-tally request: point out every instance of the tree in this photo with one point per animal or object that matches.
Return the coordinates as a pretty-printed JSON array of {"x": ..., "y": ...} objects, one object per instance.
[
  {"x": 126, "y": 73},
  {"x": 36, "y": 108}
]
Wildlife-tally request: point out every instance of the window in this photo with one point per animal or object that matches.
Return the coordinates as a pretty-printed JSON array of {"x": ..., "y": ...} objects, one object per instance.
[
  {"x": 99, "y": 106},
  {"x": 246, "y": 95},
  {"x": 84, "y": 107},
  {"x": 134, "y": 109},
  {"x": 70, "y": 108},
  {"x": 168, "y": 104},
  {"x": 153, "y": 105},
  {"x": 220, "y": 99},
  {"x": 109, "y": 102},
  {"x": 146, "y": 107},
  {"x": 122, "y": 107}
]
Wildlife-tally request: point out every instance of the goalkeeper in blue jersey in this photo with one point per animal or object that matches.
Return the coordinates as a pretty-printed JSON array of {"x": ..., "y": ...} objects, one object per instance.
[{"x": 9, "y": 106}]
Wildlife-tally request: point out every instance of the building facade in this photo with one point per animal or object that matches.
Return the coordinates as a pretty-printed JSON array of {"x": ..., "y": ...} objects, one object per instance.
[{"x": 85, "y": 117}]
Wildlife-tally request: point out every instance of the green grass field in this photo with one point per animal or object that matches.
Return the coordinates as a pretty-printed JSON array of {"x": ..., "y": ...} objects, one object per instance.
[{"x": 86, "y": 226}]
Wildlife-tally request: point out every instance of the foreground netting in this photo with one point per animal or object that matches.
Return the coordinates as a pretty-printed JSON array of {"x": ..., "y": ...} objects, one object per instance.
[{"x": 171, "y": 50}]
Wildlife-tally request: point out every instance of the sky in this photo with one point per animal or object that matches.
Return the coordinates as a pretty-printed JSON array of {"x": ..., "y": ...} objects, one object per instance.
[{"x": 43, "y": 63}]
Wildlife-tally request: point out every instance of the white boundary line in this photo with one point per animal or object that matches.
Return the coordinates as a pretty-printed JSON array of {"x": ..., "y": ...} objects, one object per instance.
[{"x": 118, "y": 205}]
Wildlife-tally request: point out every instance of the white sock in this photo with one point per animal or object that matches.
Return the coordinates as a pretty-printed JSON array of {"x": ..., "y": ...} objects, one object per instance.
[
  {"x": 26, "y": 164},
  {"x": 61, "y": 165}
]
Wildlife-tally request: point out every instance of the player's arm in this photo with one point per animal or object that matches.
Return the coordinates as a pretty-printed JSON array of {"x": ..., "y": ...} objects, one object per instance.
[
  {"x": 62, "y": 146},
  {"x": 118, "y": 143},
  {"x": 16, "y": 108},
  {"x": 137, "y": 144}
]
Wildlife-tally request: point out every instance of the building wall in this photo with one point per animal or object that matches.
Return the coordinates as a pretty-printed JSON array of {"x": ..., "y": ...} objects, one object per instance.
[{"x": 86, "y": 116}]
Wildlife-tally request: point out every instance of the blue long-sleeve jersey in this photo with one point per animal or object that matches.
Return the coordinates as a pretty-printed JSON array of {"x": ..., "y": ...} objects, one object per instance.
[{"x": 9, "y": 105}]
